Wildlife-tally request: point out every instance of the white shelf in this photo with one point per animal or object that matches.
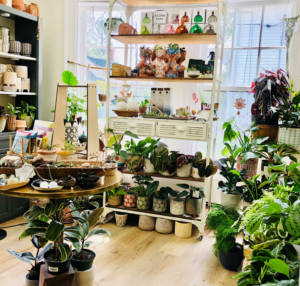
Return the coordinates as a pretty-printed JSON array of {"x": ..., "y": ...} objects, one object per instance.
[
  {"x": 17, "y": 93},
  {"x": 16, "y": 57}
]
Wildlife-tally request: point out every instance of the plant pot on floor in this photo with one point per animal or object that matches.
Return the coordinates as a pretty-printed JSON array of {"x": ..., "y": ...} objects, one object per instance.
[
  {"x": 130, "y": 200},
  {"x": 231, "y": 260},
  {"x": 85, "y": 278},
  {"x": 160, "y": 205},
  {"x": 164, "y": 226},
  {"x": 289, "y": 136},
  {"x": 136, "y": 161},
  {"x": 250, "y": 165},
  {"x": 183, "y": 229},
  {"x": 146, "y": 222},
  {"x": 143, "y": 203},
  {"x": 149, "y": 168},
  {"x": 231, "y": 200},
  {"x": 177, "y": 206},
  {"x": 193, "y": 206},
  {"x": 83, "y": 264},
  {"x": 114, "y": 200},
  {"x": 54, "y": 267},
  {"x": 185, "y": 171},
  {"x": 121, "y": 219},
  {"x": 29, "y": 282}
]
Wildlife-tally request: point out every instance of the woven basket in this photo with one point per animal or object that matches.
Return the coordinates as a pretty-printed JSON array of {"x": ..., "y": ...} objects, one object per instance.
[
  {"x": 126, "y": 113},
  {"x": 38, "y": 202},
  {"x": 289, "y": 136}
]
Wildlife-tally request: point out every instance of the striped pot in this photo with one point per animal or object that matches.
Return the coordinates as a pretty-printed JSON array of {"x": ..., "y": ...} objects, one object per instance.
[
  {"x": 143, "y": 203},
  {"x": 183, "y": 229},
  {"x": 146, "y": 222},
  {"x": 130, "y": 200},
  {"x": 115, "y": 200},
  {"x": 160, "y": 205},
  {"x": 289, "y": 136}
]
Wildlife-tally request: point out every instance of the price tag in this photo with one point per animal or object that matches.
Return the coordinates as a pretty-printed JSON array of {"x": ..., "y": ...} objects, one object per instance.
[{"x": 26, "y": 171}]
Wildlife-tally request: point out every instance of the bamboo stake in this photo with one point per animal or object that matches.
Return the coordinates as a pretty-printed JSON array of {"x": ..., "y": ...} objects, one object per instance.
[
  {"x": 22, "y": 154},
  {"x": 29, "y": 145}
]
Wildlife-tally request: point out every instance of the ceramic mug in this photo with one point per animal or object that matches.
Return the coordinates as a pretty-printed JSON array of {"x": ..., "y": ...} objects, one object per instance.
[
  {"x": 10, "y": 81},
  {"x": 26, "y": 49},
  {"x": 25, "y": 83},
  {"x": 19, "y": 84},
  {"x": 22, "y": 71},
  {"x": 5, "y": 48},
  {"x": 4, "y": 31},
  {"x": 15, "y": 47},
  {"x": 5, "y": 39}
]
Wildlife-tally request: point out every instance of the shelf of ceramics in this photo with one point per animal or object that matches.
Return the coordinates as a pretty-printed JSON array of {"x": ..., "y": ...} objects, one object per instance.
[
  {"x": 17, "y": 93},
  {"x": 164, "y": 79},
  {"x": 165, "y": 39},
  {"x": 134, "y": 3},
  {"x": 16, "y": 57},
  {"x": 163, "y": 128}
]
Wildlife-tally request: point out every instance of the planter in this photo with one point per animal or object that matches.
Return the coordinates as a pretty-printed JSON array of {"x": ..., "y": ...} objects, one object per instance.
[
  {"x": 289, "y": 136},
  {"x": 11, "y": 123},
  {"x": 250, "y": 165},
  {"x": 136, "y": 161},
  {"x": 146, "y": 222},
  {"x": 167, "y": 174},
  {"x": 71, "y": 132},
  {"x": 29, "y": 282},
  {"x": 143, "y": 203},
  {"x": 177, "y": 206},
  {"x": 193, "y": 73},
  {"x": 115, "y": 200},
  {"x": 121, "y": 219},
  {"x": 85, "y": 278},
  {"x": 185, "y": 171},
  {"x": 231, "y": 260},
  {"x": 270, "y": 131},
  {"x": 143, "y": 109},
  {"x": 164, "y": 226},
  {"x": 264, "y": 119},
  {"x": 149, "y": 168},
  {"x": 160, "y": 205},
  {"x": 115, "y": 26},
  {"x": 83, "y": 265},
  {"x": 195, "y": 173},
  {"x": 56, "y": 268},
  {"x": 20, "y": 125},
  {"x": 183, "y": 229},
  {"x": 18, "y": 4},
  {"x": 2, "y": 124},
  {"x": 65, "y": 152},
  {"x": 264, "y": 169},
  {"x": 29, "y": 121},
  {"x": 120, "y": 160},
  {"x": 231, "y": 201},
  {"x": 130, "y": 200},
  {"x": 193, "y": 206},
  {"x": 172, "y": 51}
]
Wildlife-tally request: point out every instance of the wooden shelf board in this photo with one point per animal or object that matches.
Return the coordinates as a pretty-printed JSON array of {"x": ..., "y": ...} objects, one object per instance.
[
  {"x": 17, "y": 93},
  {"x": 165, "y": 79},
  {"x": 165, "y": 39},
  {"x": 151, "y": 212},
  {"x": 16, "y": 57},
  {"x": 17, "y": 14},
  {"x": 133, "y": 3},
  {"x": 158, "y": 175}
]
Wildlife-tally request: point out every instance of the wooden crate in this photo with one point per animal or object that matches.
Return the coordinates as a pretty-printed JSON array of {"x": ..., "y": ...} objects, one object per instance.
[{"x": 270, "y": 131}]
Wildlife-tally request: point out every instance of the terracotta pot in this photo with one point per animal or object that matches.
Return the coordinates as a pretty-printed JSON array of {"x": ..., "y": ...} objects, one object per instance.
[
  {"x": 160, "y": 205},
  {"x": 164, "y": 226},
  {"x": 177, "y": 206},
  {"x": 3, "y": 2},
  {"x": 32, "y": 9},
  {"x": 2, "y": 124},
  {"x": 250, "y": 165},
  {"x": 130, "y": 200},
  {"x": 20, "y": 125},
  {"x": 115, "y": 200},
  {"x": 121, "y": 219},
  {"x": 143, "y": 203},
  {"x": 183, "y": 229},
  {"x": 143, "y": 109},
  {"x": 146, "y": 222},
  {"x": 18, "y": 4}
]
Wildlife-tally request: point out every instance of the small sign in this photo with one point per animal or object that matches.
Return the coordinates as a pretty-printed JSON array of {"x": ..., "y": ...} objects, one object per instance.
[
  {"x": 160, "y": 17},
  {"x": 53, "y": 269},
  {"x": 26, "y": 171}
]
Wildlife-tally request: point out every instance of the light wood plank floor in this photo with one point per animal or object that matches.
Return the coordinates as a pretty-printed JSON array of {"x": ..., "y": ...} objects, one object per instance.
[{"x": 132, "y": 257}]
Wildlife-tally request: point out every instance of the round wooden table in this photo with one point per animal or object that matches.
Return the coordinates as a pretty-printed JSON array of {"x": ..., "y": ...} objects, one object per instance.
[{"x": 106, "y": 183}]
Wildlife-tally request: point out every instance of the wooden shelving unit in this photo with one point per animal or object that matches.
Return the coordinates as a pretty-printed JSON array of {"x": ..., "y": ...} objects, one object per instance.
[
  {"x": 157, "y": 79},
  {"x": 17, "y": 93},
  {"x": 14, "y": 57}
]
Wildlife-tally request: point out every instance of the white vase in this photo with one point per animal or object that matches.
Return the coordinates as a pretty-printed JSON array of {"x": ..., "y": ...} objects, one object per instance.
[
  {"x": 231, "y": 201},
  {"x": 195, "y": 173},
  {"x": 177, "y": 206},
  {"x": 2, "y": 124},
  {"x": 85, "y": 278},
  {"x": 184, "y": 171},
  {"x": 121, "y": 161},
  {"x": 149, "y": 167},
  {"x": 115, "y": 26},
  {"x": 31, "y": 282}
]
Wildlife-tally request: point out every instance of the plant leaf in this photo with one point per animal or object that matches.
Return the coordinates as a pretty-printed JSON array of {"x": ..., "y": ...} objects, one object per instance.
[
  {"x": 93, "y": 218},
  {"x": 45, "y": 249},
  {"x": 54, "y": 230},
  {"x": 33, "y": 231},
  {"x": 292, "y": 224},
  {"x": 279, "y": 266},
  {"x": 19, "y": 256},
  {"x": 64, "y": 250},
  {"x": 69, "y": 78},
  {"x": 254, "y": 223},
  {"x": 75, "y": 242},
  {"x": 98, "y": 231}
]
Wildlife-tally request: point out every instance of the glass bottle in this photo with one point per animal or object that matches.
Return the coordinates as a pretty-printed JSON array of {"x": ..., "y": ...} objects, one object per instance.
[
  {"x": 146, "y": 19},
  {"x": 158, "y": 30},
  {"x": 176, "y": 21},
  {"x": 209, "y": 29},
  {"x": 185, "y": 18},
  {"x": 169, "y": 29},
  {"x": 196, "y": 29},
  {"x": 212, "y": 18},
  {"x": 182, "y": 30},
  {"x": 198, "y": 18},
  {"x": 144, "y": 29}
]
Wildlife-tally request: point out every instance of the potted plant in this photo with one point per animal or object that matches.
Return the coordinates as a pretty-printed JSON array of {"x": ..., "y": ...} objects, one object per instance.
[
  {"x": 12, "y": 117},
  {"x": 115, "y": 23},
  {"x": 27, "y": 113},
  {"x": 143, "y": 106},
  {"x": 231, "y": 194},
  {"x": 225, "y": 223},
  {"x": 115, "y": 143},
  {"x": 67, "y": 150},
  {"x": 194, "y": 201},
  {"x": 103, "y": 86},
  {"x": 47, "y": 149},
  {"x": 135, "y": 161},
  {"x": 193, "y": 72},
  {"x": 199, "y": 168},
  {"x": 114, "y": 196},
  {"x": 160, "y": 197},
  {"x": 147, "y": 153},
  {"x": 177, "y": 204},
  {"x": 2, "y": 118},
  {"x": 32, "y": 277},
  {"x": 164, "y": 162},
  {"x": 173, "y": 49}
]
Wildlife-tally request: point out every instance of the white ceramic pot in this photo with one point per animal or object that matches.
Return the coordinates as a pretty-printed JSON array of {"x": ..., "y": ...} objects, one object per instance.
[
  {"x": 19, "y": 84},
  {"x": 167, "y": 174},
  {"x": 5, "y": 48},
  {"x": 297, "y": 247},
  {"x": 22, "y": 71},
  {"x": 193, "y": 73},
  {"x": 31, "y": 282},
  {"x": 177, "y": 206},
  {"x": 115, "y": 26},
  {"x": 120, "y": 160},
  {"x": 85, "y": 278},
  {"x": 25, "y": 83},
  {"x": 231, "y": 201},
  {"x": 2, "y": 124},
  {"x": 195, "y": 173},
  {"x": 184, "y": 171},
  {"x": 149, "y": 168}
]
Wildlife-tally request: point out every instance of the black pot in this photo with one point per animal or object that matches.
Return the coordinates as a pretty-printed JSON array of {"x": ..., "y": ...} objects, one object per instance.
[
  {"x": 87, "y": 179},
  {"x": 57, "y": 268},
  {"x": 232, "y": 260},
  {"x": 266, "y": 119},
  {"x": 83, "y": 265}
]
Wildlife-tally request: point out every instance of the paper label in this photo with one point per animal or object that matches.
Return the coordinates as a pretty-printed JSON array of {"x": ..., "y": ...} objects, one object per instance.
[
  {"x": 196, "y": 194},
  {"x": 26, "y": 171},
  {"x": 53, "y": 269}
]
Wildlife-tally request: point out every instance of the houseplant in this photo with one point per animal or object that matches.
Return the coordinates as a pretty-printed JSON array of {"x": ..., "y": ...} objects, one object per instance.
[
  {"x": 103, "y": 86},
  {"x": 160, "y": 197},
  {"x": 12, "y": 116},
  {"x": 225, "y": 222},
  {"x": 32, "y": 277},
  {"x": 115, "y": 23},
  {"x": 2, "y": 118},
  {"x": 143, "y": 106},
  {"x": 200, "y": 170},
  {"x": 177, "y": 204},
  {"x": 27, "y": 113},
  {"x": 150, "y": 147},
  {"x": 184, "y": 166},
  {"x": 114, "y": 196},
  {"x": 67, "y": 150},
  {"x": 120, "y": 155},
  {"x": 47, "y": 149},
  {"x": 164, "y": 162}
]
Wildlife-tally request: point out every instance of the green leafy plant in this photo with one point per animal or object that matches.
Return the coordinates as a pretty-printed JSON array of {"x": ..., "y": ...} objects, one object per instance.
[
  {"x": 173, "y": 46},
  {"x": 68, "y": 146},
  {"x": 143, "y": 182},
  {"x": 192, "y": 188},
  {"x": 12, "y": 111},
  {"x": 142, "y": 148},
  {"x": 113, "y": 21},
  {"x": 26, "y": 109},
  {"x": 144, "y": 103},
  {"x": 163, "y": 161},
  {"x": 178, "y": 195},
  {"x": 200, "y": 164},
  {"x": 75, "y": 105},
  {"x": 152, "y": 190},
  {"x": 48, "y": 147},
  {"x": 69, "y": 78},
  {"x": 232, "y": 179},
  {"x": 157, "y": 47},
  {"x": 115, "y": 191},
  {"x": 102, "y": 86}
]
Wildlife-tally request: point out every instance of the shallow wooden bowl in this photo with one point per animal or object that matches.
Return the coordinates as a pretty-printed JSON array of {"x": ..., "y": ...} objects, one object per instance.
[
  {"x": 14, "y": 186},
  {"x": 126, "y": 113}
]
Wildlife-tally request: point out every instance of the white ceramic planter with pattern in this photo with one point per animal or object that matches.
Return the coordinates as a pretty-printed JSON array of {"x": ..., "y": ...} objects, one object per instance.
[
  {"x": 289, "y": 136},
  {"x": 177, "y": 206}
]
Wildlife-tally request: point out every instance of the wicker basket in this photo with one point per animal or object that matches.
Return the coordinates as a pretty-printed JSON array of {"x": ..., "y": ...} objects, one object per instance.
[
  {"x": 38, "y": 202},
  {"x": 126, "y": 113}
]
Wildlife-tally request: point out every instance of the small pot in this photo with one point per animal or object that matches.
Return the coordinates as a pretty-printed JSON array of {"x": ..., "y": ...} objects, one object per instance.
[
  {"x": 11, "y": 123},
  {"x": 143, "y": 203},
  {"x": 20, "y": 125},
  {"x": 177, "y": 206},
  {"x": 183, "y": 229},
  {"x": 230, "y": 200},
  {"x": 149, "y": 167},
  {"x": 120, "y": 160},
  {"x": 172, "y": 51},
  {"x": 2, "y": 124},
  {"x": 56, "y": 268},
  {"x": 193, "y": 73},
  {"x": 167, "y": 174},
  {"x": 184, "y": 171},
  {"x": 29, "y": 121},
  {"x": 115, "y": 200},
  {"x": 29, "y": 282},
  {"x": 250, "y": 165},
  {"x": 193, "y": 206},
  {"x": 146, "y": 222},
  {"x": 82, "y": 265},
  {"x": 164, "y": 226},
  {"x": 160, "y": 205},
  {"x": 121, "y": 219},
  {"x": 231, "y": 260},
  {"x": 195, "y": 173},
  {"x": 85, "y": 278},
  {"x": 143, "y": 109},
  {"x": 130, "y": 200},
  {"x": 65, "y": 152}
]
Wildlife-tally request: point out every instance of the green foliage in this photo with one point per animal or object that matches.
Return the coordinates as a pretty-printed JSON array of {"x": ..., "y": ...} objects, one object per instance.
[
  {"x": 232, "y": 178},
  {"x": 143, "y": 183},
  {"x": 144, "y": 103},
  {"x": 69, "y": 78},
  {"x": 26, "y": 109},
  {"x": 200, "y": 164},
  {"x": 12, "y": 110},
  {"x": 193, "y": 189},
  {"x": 75, "y": 105},
  {"x": 115, "y": 192},
  {"x": 163, "y": 161},
  {"x": 113, "y": 20},
  {"x": 68, "y": 146},
  {"x": 173, "y": 46}
]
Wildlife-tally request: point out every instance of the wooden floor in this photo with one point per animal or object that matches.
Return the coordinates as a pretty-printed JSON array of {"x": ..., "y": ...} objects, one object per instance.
[{"x": 132, "y": 257}]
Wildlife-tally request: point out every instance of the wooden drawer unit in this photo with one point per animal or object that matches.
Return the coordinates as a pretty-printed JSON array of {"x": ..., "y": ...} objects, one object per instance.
[{"x": 138, "y": 126}]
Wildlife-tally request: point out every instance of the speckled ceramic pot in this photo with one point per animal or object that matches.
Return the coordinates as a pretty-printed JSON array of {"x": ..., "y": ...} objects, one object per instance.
[
  {"x": 160, "y": 205},
  {"x": 164, "y": 226},
  {"x": 183, "y": 230},
  {"x": 115, "y": 200},
  {"x": 130, "y": 200},
  {"x": 143, "y": 203},
  {"x": 177, "y": 206}
]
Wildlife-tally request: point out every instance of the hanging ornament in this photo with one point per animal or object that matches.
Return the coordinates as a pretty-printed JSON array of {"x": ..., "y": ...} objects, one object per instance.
[
  {"x": 126, "y": 91},
  {"x": 239, "y": 104}
]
